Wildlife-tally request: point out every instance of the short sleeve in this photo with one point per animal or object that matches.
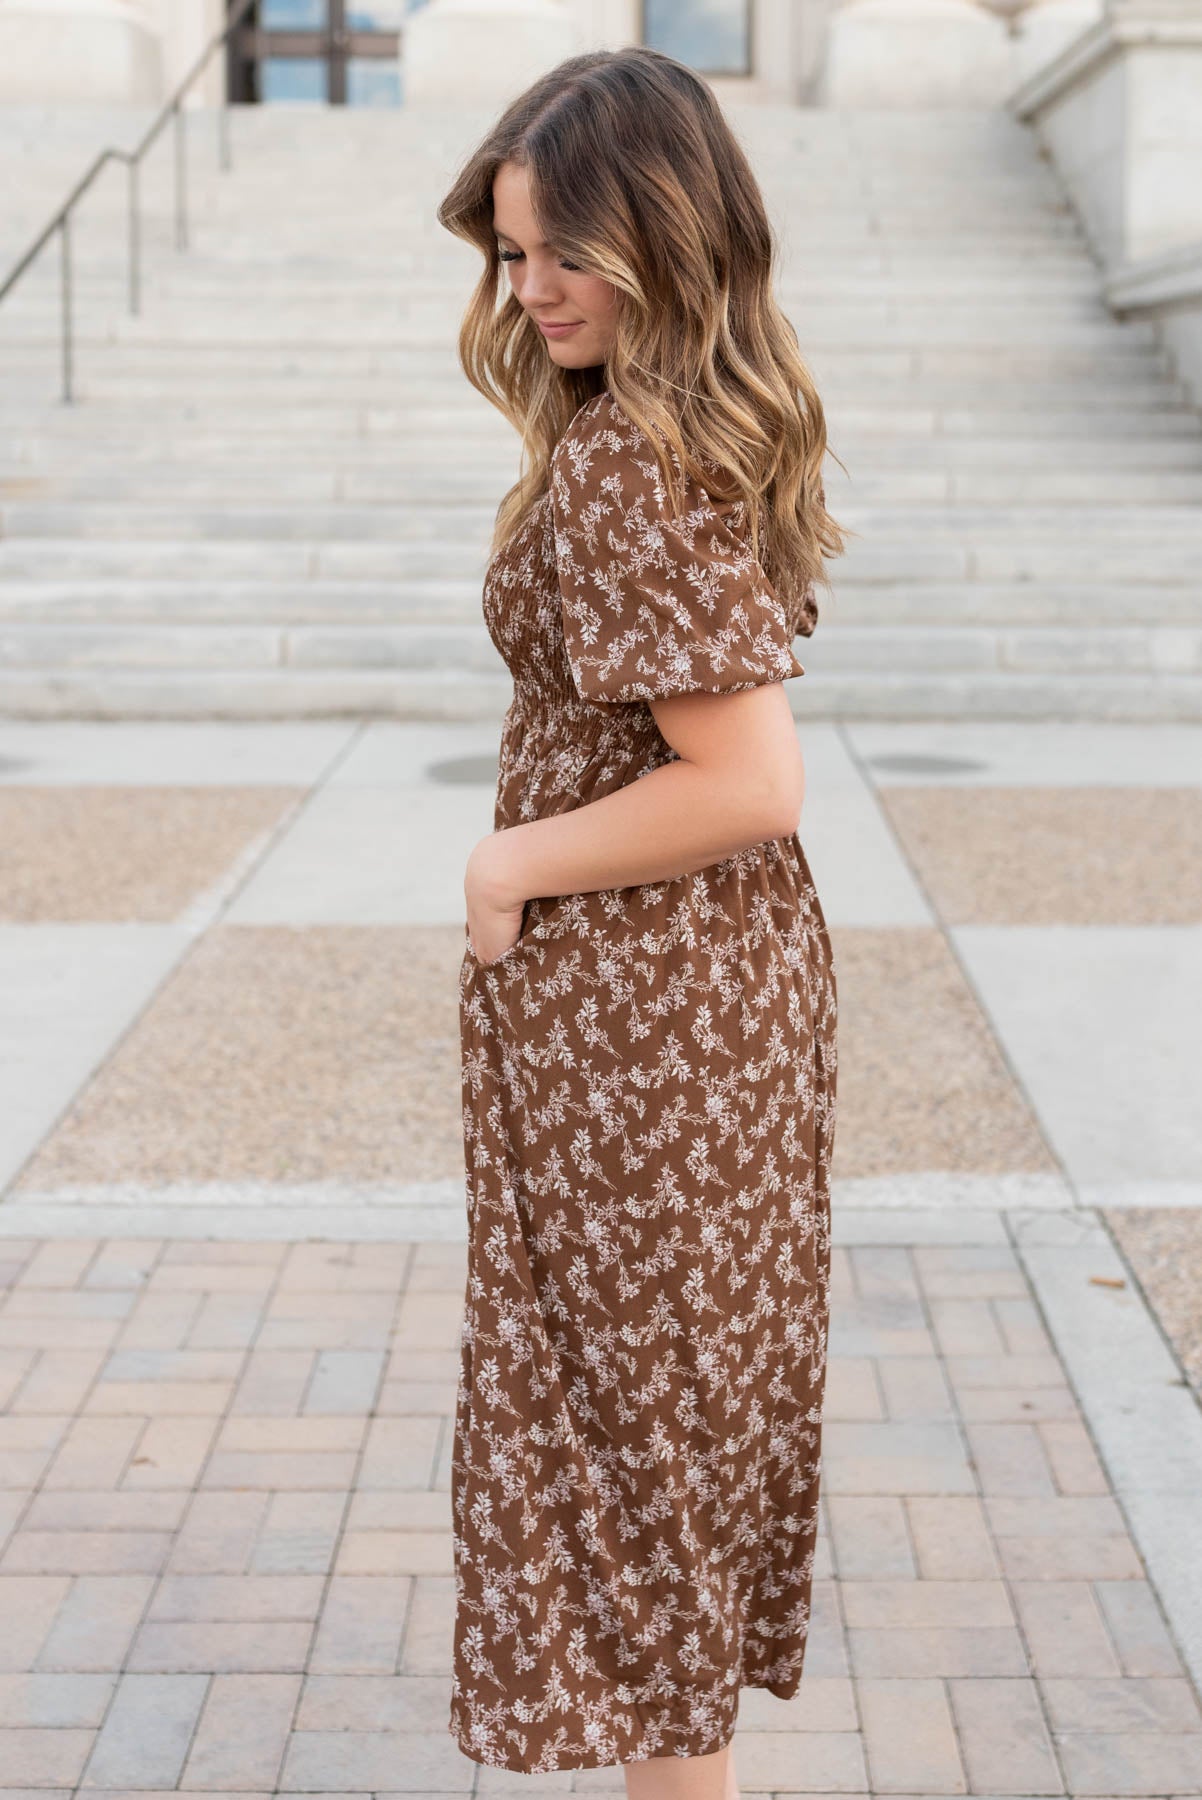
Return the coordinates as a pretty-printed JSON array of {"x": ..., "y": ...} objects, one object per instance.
[{"x": 655, "y": 603}]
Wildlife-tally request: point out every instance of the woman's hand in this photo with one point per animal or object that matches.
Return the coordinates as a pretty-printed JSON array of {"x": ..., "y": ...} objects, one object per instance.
[{"x": 495, "y": 906}]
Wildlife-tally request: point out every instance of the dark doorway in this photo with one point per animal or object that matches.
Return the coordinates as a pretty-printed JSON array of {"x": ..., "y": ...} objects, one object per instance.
[{"x": 324, "y": 52}]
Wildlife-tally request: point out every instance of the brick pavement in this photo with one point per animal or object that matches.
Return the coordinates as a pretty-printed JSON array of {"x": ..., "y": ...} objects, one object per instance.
[
  {"x": 231, "y": 1266},
  {"x": 227, "y": 1556}
]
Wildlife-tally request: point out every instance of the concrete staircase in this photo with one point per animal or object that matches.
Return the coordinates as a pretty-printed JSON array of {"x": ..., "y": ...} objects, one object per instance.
[{"x": 275, "y": 492}]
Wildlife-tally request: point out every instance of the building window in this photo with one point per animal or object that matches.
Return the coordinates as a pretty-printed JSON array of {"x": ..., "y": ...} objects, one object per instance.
[
  {"x": 320, "y": 52},
  {"x": 711, "y": 36}
]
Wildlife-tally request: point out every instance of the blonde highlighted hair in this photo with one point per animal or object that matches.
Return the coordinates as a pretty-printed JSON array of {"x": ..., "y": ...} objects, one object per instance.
[{"x": 635, "y": 176}]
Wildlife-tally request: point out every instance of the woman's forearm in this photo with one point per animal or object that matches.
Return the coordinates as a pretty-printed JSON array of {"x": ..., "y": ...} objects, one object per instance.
[{"x": 677, "y": 818}]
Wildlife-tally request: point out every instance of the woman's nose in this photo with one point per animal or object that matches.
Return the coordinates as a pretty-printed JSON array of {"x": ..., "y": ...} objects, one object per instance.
[{"x": 541, "y": 287}]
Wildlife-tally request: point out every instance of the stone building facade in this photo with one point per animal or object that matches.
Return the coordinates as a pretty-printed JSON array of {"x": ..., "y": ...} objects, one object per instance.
[{"x": 385, "y": 52}]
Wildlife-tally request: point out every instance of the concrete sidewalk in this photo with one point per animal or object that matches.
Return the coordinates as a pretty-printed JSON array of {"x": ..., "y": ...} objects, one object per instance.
[{"x": 231, "y": 1243}]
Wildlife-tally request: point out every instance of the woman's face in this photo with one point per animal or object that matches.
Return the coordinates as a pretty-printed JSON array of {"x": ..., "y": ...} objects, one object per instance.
[{"x": 552, "y": 290}]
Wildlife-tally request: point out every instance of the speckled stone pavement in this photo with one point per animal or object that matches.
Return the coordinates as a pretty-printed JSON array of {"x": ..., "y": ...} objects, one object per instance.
[{"x": 231, "y": 1261}]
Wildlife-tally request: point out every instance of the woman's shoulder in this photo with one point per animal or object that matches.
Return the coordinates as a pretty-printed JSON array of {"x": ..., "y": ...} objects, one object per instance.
[
  {"x": 599, "y": 421},
  {"x": 604, "y": 450}
]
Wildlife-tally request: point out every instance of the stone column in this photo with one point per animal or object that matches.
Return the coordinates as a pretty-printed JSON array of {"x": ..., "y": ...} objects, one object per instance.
[
  {"x": 103, "y": 51},
  {"x": 914, "y": 53},
  {"x": 481, "y": 52}
]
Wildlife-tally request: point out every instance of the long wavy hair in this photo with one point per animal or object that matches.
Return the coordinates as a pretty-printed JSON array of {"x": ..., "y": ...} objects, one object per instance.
[{"x": 635, "y": 176}]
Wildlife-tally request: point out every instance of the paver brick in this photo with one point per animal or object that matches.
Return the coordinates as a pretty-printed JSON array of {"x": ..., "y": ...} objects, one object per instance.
[
  {"x": 1167, "y": 1704},
  {"x": 300, "y": 1534},
  {"x": 43, "y": 1759},
  {"x": 1020, "y": 1405},
  {"x": 377, "y": 1509},
  {"x": 401, "y": 1453},
  {"x": 853, "y": 1389},
  {"x": 895, "y": 1457},
  {"x": 94, "y": 1453},
  {"x": 362, "y": 1622},
  {"x": 143, "y": 1398},
  {"x": 159, "y": 1321},
  {"x": 379, "y": 1702},
  {"x": 227, "y": 1321},
  {"x": 222, "y": 1647},
  {"x": 1071, "y": 1559},
  {"x": 1004, "y": 1372},
  {"x": 951, "y": 1537},
  {"x": 245, "y": 1432},
  {"x": 146, "y": 1735},
  {"x": 1009, "y": 1458},
  {"x": 968, "y": 1271},
  {"x": 1137, "y": 1628},
  {"x": 219, "y": 1533},
  {"x": 86, "y": 1552},
  {"x": 1005, "y": 1741},
  {"x": 77, "y": 1509},
  {"x": 821, "y": 1703},
  {"x": 318, "y": 1761},
  {"x": 344, "y": 1381},
  {"x": 1072, "y": 1457},
  {"x": 905, "y": 1605},
  {"x": 937, "y": 1651},
  {"x": 213, "y": 1277},
  {"x": 242, "y": 1733},
  {"x": 170, "y": 1453},
  {"x": 870, "y": 1536},
  {"x": 828, "y": 1761},
  {"x": 274, "y": 1383},
  {"x": 966, "y": 1327},
  {"x": 95, "y": 1624},
  {"x": 915, "y": 1388},
  {"x": 271, "y": 1470},
  {"x": 58, "y": 1382},
  {"x": 395, "y": 1553},
  {"x": 59, "y": 1262},
  {"x": 358, "y": 1268},
  {"x": 245, "y": 1597},
  {"x": 909, "y": 1737},
  {"x": 428, "y": 1321},
  {"x": 426, "y": 1645},
  {"x": 122, "y": 1263},
  {"x": 1064, "y": 1628},
  {"x": 57, "y": 1702},
  {"x": 1022, "y": 1327},
  {"x": 1132, "y": 1763}
]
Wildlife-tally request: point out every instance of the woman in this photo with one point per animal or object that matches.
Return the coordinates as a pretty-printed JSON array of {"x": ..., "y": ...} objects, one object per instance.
[{"x": 647, "y": 994}]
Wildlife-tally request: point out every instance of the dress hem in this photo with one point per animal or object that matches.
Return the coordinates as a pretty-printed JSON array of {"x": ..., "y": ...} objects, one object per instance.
[{"x": 600, "y": 1761}]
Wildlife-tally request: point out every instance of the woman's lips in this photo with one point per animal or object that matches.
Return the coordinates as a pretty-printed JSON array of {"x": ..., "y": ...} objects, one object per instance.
[{"x": 558, "y": 330}]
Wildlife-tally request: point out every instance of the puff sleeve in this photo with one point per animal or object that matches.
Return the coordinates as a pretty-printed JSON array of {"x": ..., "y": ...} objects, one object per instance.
[{"x": 655, "y": 603}]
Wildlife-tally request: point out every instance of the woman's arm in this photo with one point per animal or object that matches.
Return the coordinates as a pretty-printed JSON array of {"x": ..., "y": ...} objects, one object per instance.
[{"x": 740, "y": 779}]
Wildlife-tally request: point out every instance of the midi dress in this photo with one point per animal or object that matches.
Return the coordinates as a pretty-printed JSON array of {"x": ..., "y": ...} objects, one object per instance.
[{"x": 648, "y": 1086}]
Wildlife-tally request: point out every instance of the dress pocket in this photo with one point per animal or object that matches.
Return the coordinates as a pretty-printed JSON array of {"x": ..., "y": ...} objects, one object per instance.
[{"x": 525, "y": 935}]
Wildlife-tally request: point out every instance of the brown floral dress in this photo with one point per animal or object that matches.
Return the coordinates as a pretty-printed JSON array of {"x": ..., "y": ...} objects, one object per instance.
[{"x": 648, "y": 1115}]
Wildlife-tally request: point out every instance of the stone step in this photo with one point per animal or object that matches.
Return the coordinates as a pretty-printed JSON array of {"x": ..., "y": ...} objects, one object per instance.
[
  {"x": 1047, "y": 332},
  {"x": 293, "y": 693},
  {"x": 329, "y": 503},
  {"x": 1025, "y": 515},
  {"x": 275, "y": 492},
  {"x": 1045, "y": 433},
  {"x": 1028, "y": 648},
  {"x": 85, "y": 470},
  {"x": 447, "y": 601},
  {"x": 1150, "y": 556}
]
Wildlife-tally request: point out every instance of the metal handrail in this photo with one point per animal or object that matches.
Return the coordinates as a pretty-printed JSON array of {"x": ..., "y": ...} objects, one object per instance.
[{"x": 61, "y": 222}]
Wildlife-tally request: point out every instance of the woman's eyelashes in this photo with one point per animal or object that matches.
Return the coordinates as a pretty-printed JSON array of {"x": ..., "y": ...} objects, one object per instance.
[{"x": 516, "y": 256}]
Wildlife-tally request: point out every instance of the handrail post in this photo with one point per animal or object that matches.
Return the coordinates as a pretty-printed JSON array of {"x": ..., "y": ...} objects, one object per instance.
[
  {"x": 223, "y": 126},
  {"x": 135, "y": 242},
  {"x": 237, "y": 12},
  {"x": 181, "y": 194},
  {"x": 65, "y": 248}
]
